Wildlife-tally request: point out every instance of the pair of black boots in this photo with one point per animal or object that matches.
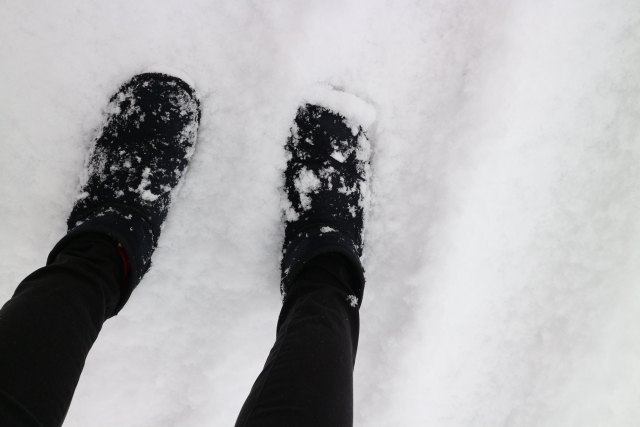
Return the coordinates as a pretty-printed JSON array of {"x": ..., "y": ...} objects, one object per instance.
[{"x": 143, "y": 151}]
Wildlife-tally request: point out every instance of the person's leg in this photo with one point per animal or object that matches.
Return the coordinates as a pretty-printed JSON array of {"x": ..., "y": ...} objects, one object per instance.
[
  {"x": 308, "y": 377},
  {"x": 49, "y": 325}
]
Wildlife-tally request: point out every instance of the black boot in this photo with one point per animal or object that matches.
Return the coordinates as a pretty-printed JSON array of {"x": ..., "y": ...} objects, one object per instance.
[
  {"x": 326, "y": 182},
  {"x": 137, "y": 162}
]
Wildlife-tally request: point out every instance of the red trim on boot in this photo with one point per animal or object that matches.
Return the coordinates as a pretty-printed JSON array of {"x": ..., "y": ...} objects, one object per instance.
[{"x": 125, "y": 263}]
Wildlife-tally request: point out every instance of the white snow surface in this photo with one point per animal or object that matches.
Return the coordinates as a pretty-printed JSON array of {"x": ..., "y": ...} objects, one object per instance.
[{"x": 502, "y": 251}]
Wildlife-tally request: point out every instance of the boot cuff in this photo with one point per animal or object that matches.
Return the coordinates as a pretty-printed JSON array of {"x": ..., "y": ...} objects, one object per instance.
[
  {"x": 126, "y": 227},
  {"x": 313, "y": 241}
]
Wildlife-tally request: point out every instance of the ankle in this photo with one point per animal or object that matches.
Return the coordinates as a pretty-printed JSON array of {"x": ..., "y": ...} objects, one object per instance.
[
  {"x": 129, "y": 230},
  {"x": 327, "y": 248},
  {"x": 333, "y": 268}
]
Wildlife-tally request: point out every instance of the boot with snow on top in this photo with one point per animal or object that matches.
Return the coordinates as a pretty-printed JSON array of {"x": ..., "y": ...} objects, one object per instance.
[
  {"x": 136, "y": 163},
  {"x": 326, "y": 183}
]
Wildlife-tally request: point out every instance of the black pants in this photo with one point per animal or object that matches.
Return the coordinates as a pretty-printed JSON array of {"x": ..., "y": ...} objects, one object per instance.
[{"x": 49, "y": 325}]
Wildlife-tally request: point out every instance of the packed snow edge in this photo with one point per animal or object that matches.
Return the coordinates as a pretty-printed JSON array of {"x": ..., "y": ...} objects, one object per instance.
[
  {"x": 355, "y": 110},
  {"x": 170, "y": 71}
]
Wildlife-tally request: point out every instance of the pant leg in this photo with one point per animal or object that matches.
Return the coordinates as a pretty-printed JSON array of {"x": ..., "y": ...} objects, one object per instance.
[
  {"x": 48, "y": 327},
  {"x": 308, "y": 377}
]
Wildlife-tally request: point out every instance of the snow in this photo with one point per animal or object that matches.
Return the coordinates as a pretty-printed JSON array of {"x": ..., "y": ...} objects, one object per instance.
[
  {"x": 145, "y": 194},
  {"x": 171, "y": 71},
  {"x": 338, "y": 156},
  {"x": 357, "y": 112},
  {"x": 353, "y": 300},
  {"x": 502, "y": 248},
  {"x": 306, "y": 183}
]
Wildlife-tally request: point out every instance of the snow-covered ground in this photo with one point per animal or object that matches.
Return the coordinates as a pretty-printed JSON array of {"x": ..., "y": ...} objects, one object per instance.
[{"x": 503, "y": 247}]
